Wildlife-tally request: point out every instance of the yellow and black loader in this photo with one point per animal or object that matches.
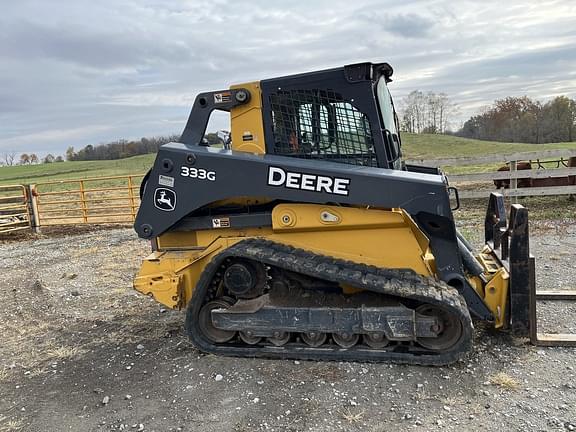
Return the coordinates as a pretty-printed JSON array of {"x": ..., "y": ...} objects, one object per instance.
[{"x": 308, "y": 237}]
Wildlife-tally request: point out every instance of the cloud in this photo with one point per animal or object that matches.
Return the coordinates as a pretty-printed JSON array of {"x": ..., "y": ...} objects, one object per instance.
[
  {"x": 77, "y": 73},
  {"x": 408, "y": 25},
  {"x": 50, "y": 136}
]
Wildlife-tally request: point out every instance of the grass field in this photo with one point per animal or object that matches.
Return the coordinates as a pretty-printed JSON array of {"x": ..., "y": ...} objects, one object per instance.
[
  {"x": 27, "y": 174},
  {"x": 427, "y": 146},
  {"x": 414, "y": 147}
]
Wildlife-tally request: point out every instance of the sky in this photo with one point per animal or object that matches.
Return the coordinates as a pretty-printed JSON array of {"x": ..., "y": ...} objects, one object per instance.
[{"x": 78, "y": 72}]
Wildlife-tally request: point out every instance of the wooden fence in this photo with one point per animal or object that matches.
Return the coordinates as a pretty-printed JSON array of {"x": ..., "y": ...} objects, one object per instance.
[{"x": 552, "y": 164}]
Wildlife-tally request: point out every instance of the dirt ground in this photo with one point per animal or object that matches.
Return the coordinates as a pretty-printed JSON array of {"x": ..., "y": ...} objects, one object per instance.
[{"x": 82, "y": 351}]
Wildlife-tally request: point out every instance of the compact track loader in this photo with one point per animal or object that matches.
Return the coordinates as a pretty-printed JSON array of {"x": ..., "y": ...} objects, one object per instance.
[{"x": 310, "y": 238}]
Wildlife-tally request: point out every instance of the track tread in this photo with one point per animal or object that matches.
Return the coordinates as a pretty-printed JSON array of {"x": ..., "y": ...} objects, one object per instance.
[{"x": 403, "y": 283}]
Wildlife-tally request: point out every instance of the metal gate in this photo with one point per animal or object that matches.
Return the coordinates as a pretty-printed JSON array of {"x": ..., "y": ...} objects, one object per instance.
[
  {"x": 88, "y": 201},
  {"x": 14, "y": 211}
]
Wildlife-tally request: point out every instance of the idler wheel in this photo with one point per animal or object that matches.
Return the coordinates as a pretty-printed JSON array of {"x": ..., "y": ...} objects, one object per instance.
[
  {"x": 207, "y": 326},
  {"x": 449, "y": 329}
]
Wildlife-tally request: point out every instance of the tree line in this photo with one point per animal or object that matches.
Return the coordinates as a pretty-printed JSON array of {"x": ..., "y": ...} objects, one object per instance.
[
  {"x": 9, "y": 158},
  {"x": 521, "y": 119},
  {"x": 119, "y": 149},
  {"x": 512, "y": 119}
]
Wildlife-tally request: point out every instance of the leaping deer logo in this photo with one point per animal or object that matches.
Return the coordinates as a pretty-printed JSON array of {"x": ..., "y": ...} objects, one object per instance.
[{"x": 165, "y": 199}]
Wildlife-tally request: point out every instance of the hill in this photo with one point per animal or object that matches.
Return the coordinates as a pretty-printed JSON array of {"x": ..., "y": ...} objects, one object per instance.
[
  {"x": 429, "y": 146},
  {"x": 27, "y": 174}
]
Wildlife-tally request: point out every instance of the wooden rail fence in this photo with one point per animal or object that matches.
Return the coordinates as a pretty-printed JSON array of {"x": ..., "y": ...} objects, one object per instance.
[
  {"x": 481, "y": 184},
  {"x": 14, "y": 210}
]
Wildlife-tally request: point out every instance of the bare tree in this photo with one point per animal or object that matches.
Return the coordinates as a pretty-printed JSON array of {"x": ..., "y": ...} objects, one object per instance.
[
  {"x": 34, "y": 158},
  {"x": 48, "y": 158},
  {"x": 8, "y": 157},
  {"x": 426, "y": 113}
]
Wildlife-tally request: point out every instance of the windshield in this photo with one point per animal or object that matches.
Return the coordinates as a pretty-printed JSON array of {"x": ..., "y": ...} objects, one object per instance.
[
  {"x": 388, "y": 117},
  {"x": 386, "y": 107}
]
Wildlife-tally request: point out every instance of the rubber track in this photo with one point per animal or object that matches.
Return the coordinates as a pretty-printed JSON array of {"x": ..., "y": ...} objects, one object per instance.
[{"x": 400, "y": 283}]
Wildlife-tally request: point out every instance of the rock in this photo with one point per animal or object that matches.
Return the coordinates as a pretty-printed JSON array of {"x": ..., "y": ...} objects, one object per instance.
[
  {"x": 256, "y": 400},
  {"x": 98, "y": 390},
  {"x": 140, "y": 347},
  {"x": 140, "y": 427},
  {"x": 75, "y": 293},
  {"x": 38, "y": 286},
  {"x": 69, "y": 276},
  {"x": 128, "y": 397},
  {"x": 218, "y": 377},
  {"x": 446, "y": 408},
  {"x": 105, "y": 400},
  {"x": 296, "y": 362}
]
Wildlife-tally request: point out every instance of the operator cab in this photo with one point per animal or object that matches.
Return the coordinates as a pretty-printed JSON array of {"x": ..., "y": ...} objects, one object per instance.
[{"x": 342, "y": 115}]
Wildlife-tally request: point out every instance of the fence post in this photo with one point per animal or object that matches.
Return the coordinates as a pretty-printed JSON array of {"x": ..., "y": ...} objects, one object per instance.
[
  {"x": 131, "y": 195},
  {"x": 83, "y": 202},
  {"x": 513, "y": 182},
  {"x": 33, "y": 206}
]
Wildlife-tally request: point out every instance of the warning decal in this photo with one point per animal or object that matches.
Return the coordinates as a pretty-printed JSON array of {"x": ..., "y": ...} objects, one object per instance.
[{"x": 222, "y": 97}]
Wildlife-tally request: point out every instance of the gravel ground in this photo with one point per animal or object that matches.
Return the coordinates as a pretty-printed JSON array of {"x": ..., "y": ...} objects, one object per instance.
[{"x": 82, "y": 351}]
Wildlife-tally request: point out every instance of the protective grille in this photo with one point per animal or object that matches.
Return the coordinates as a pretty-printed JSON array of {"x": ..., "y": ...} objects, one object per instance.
[{"x": 319, "y": 124}]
